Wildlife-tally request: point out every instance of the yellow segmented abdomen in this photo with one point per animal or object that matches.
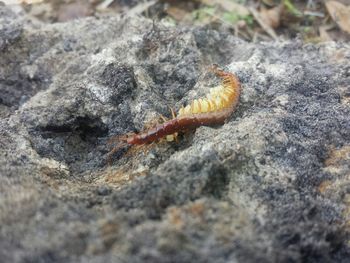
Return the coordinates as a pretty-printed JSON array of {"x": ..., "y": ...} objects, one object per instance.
[{"x": 219, "y": 98}]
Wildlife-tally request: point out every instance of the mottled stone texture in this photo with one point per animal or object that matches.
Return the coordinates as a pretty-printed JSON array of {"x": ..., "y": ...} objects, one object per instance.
[{"x": 270, "y": 185}]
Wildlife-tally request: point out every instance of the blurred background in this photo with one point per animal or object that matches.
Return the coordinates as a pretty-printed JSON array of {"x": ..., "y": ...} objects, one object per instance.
[{"x": 253, "y": 20}]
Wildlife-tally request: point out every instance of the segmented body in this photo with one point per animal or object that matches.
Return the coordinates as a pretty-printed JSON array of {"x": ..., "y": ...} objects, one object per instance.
[
  {"x": 212, "y": 110},
  {"x": 179, "y": 124}
]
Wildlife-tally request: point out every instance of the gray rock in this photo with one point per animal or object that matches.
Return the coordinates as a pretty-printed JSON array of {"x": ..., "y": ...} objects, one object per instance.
[{"x": 270, "y": 185}]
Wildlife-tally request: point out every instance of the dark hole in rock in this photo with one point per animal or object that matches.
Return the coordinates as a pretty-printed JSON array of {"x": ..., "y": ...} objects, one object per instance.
[
  {"x": 217, "y": 182},
  {"x": 79, "y": 144}
]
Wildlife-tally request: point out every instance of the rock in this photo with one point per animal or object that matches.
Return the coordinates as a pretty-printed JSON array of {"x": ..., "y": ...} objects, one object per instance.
[
  {"x": 11, "y": 28},
  {"x": 270, "y": 185}
]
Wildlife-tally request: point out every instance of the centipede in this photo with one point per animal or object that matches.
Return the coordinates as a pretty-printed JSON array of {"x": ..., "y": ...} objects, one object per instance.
[{"x": 214, "y": 109}]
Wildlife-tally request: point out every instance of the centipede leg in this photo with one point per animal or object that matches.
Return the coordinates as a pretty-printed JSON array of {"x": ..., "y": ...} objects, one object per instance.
[
  {"x": 143, "y": 147},
  {"x": 151, "y": 124},
  {"x": 163, "y": 118},
  {"x": 174, "y": 116},
  {"x": 119, "y": 138},
  {"x": 112, "y": 152},
  {"x": 173, "y": 113},
  {"x": 175, "y": 137},
  {"x": 120, "y": 142}
]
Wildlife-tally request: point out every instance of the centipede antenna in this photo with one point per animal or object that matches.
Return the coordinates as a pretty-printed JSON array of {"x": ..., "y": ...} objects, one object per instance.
[
  {"x": 117, "y": 139},
  {"x": 120, "y": 142},
  {"x": 114, "y": 150},
  {"x": 162, "y": 117},
  {"x": 172, "y": 113}
]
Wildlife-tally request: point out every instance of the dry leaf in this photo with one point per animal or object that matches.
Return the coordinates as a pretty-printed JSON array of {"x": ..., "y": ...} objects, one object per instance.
[
  {"x": 324, "y": 36},
  {"x": 268, "y": 29},
  {"x": 270, "y": 2},
  {"x": 18, "y": 2},
  {"x": 271, "y": 16},
  {"x": 105, "y": 4},
  {"x": 340, "y": 14},
  {"x": 73, "y": 11},
  {"x": 177, "y": 13},
  {"x": 229, "y": 6}
]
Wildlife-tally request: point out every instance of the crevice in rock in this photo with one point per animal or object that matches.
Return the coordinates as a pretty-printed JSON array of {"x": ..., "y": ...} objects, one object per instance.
[{"x": 77, "y": 144}]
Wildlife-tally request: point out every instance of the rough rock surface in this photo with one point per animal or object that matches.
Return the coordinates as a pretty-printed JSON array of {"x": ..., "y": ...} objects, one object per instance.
[{"x": 270, "y": 185}]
